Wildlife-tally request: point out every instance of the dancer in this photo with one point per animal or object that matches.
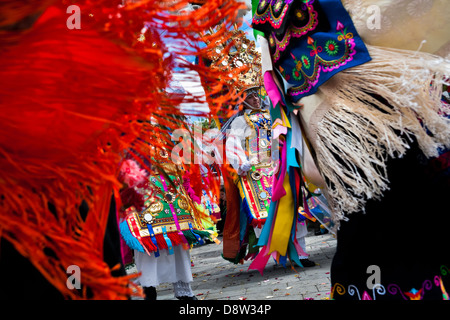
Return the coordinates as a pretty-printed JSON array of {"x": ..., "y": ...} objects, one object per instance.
[
  {"x": 250, "y": 150},
  {"x": 245, "y": 137},
  {"x": 376, "y": 128},
  {"x": 283, "y": 235}
]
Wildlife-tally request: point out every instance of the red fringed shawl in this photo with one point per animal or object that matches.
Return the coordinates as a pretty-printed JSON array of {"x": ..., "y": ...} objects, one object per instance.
[{"x": 71, "y": 102}]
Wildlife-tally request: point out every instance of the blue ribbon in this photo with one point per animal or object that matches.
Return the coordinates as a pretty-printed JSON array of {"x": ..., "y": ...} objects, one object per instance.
[
  {"x": 153, "y": 238},
  {"x": 168, "y": 242},
  {"x": 199, "y": 239}
]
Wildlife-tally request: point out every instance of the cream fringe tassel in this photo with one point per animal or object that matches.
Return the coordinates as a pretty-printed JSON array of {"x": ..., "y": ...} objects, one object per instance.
[{"x": 363, "y": 136}]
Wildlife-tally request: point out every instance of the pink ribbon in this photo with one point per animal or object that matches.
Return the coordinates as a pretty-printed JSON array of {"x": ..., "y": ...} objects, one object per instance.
[
  {"x": 278, "y": 190},
  {"x": 272, "y": 89}
]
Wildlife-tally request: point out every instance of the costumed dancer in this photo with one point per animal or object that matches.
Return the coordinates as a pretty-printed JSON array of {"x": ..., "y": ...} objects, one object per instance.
[
  {"x": 283, "y": 184},
  {"x": 376, "y": 132},
  {"x": 164, "y": 220},
  {"x": 283, "y": 235},
  {"x": 247, "y": 148},
  {"x": 248, "y": 151}
]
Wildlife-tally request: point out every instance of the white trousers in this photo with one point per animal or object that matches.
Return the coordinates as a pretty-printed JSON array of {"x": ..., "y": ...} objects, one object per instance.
[
  {"x": 174, "y": 268},
  {"x": 302, "y": 231}
]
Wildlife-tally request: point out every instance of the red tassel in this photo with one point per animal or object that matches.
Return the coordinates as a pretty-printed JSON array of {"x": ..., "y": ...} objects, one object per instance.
[
  {"x": 149, "y": 245},
  {"x": 174, "y": 238}
]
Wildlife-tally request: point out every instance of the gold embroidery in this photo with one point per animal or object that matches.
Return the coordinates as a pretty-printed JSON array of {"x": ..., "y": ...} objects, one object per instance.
[
  {"x": 183, "y": 204},
  {"x": 155, "y": 207}
]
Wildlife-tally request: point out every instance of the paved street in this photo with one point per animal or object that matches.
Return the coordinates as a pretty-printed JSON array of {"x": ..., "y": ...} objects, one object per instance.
[{"x": 218, "y": 279}]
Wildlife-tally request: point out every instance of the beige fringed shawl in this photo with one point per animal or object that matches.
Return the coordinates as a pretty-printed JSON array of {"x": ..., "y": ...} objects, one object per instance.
[
  {"x": 353, "y": 133},
  {"x": 402, "y": 24},
  {"x": 344, "y": 120}
]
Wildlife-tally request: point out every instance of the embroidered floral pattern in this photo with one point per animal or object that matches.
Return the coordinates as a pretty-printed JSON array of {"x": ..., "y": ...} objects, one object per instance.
[
  {"x": 306, "y": 11},
  {"x": 271, "y": 13},
  {"x": 306, "y": 62},
  {"x": 331, "y": 48},
  {"x": 303, "y": 63},
  {"x": 310, "y": 31},
  {"x": 394, "y": 290},
  {"x": 299, "y": 14},
  {"x": 278, "y": 6}
]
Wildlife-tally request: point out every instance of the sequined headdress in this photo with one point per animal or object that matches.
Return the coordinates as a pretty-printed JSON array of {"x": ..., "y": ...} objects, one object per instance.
[{"x": 236, "y": 56}]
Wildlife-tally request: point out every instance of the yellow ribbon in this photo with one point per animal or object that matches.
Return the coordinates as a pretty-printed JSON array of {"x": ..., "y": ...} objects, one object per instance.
[{"x": 283, "y": 221}]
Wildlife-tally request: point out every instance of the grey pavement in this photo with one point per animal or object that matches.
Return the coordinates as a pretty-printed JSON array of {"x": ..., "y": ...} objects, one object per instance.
[{"x": 218, "y": 279}]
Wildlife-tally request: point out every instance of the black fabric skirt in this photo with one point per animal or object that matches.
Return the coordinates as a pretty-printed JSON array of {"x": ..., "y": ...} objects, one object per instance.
[{"x": 399, "y": 248}]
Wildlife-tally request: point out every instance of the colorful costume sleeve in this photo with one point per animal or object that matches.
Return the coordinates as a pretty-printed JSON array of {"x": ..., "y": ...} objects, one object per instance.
[{"x": 309, "y": 41}]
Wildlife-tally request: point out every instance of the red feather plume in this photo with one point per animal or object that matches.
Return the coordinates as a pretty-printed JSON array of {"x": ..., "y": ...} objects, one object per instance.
[{"x": 72, "y": 103}]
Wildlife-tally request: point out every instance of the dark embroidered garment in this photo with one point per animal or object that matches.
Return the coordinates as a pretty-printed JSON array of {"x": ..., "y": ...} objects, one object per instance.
[
  {"x": 309, "y": 41},
  {"x": 402, "y": 236}
]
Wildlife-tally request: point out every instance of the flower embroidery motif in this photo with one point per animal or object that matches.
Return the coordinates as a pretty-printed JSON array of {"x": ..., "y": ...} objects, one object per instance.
[
  {"x": 303, "y": 35},
  {"x": 343, "y": 46},
  {"x": 306, "y": 14},
  {"x": 305, "y": 61},
  {"x": 342, "y": 32},
  {"x": 262, "y": 4},
  {"x": 331, "y": 47},
  {"x": 278, "y": 5},
  {"x": 299, "y": 14},
  {"x": 270, "y": 11},
  {"x": 315, "y": 48},
  {"x": 271, "y": 41}
]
